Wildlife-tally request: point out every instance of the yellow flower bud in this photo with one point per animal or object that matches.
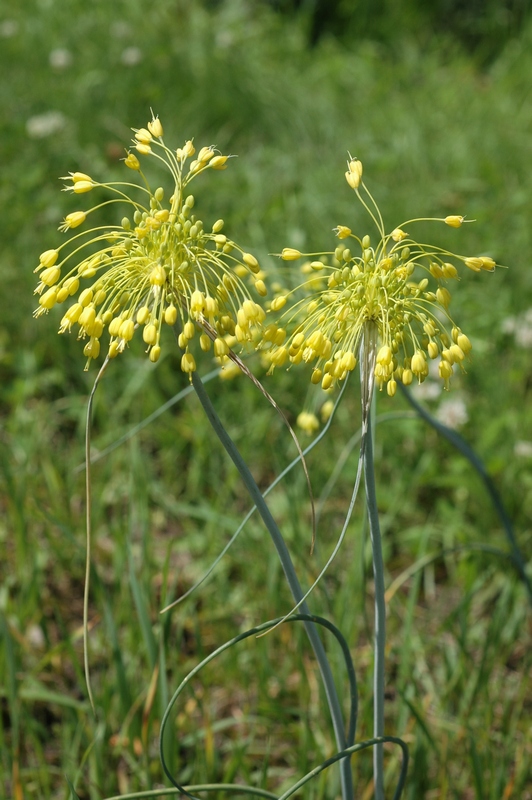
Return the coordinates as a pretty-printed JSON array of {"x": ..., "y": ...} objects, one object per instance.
[
  {"x": 74, "y": 312},
  {"x": 391, "y": 387},
  {"x": 260, "y": 286},
  {"x": 97, "y": 328},
  {"x": 143, "y": 149},
  {"x": 72, "y": 220},
  {"x": 308, "y": 422},
  {"x": 158, "y": 276},
  {"x": 48, "y": 258},
  {"x": 432, "y": 349},
  {"x": 457, "y": 354},
  {"x": 189, "y": 329},
  {"x": 76, "y": 177},
  {"x": 454, "y": 221},
  {"x": 126, "y": 330},
  {"x": 132, "y": 161},
  {"x": 443, "y": 296},
  {"x": 342, "y": 232},
  {"x": 398, "y": 235},
  {"x": 474, "y": 263},
  {"x": 449, "y": 271},
  {"x": 81, "y": 187},
  {"x": 86, "y": 318},
  {"x": 278, "y": 303},
  {"x": 170, "y": 315},
  {"x": 384, "y": 356},
  {"x": 48, "y": 299},
  {"x": 188, "y": 363},
  {"x": 353, "y": 179},
  {"x": 436, "y": 271},
  {"x": 488, "y": 264},
  {"x": 149, "y": 334},
  {"x": 205, "y": 154},
  {"x": 445, "y": 370},
  {"x": 155, "y": 354},
  {"x": 50, "y": 275},
  {"x": 143, "y": 136},
  {"x": 86, "y": 297},
  {"x": 92, "y": 348},
  {"x": 290, "y": 254},
  {"x": 143, "y": 315},
  {"x": 219, "y": 162},
  {"x": 354, "y": 173},
  {"x": 278, "y": 356},
  {"x": 251, "y": 262},
  {"x": 463, "y": 343},
  {"x": 419, "y": 364},
  {"x": 205, "y": 342},
  {"x": 197, "y": 302},
  {"x": 221, "y": 348},
  {"x": 155, "y": 127}
]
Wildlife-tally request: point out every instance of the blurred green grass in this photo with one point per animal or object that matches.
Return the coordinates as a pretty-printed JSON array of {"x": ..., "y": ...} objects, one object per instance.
[{"x": 437, "y": 135}]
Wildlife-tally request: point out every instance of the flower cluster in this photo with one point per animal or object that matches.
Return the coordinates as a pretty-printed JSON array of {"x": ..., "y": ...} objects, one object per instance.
[
  {"x": 158, "y": 265},
  {"x": 379, "y": 290}
]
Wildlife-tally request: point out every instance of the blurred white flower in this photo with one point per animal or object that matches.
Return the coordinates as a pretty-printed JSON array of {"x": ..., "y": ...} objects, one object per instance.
[
  {"x": 523, "y": 449},
  {"x": 428, "y": 390},
  {"x": 8, "y": 28},
  {"x": 60, "y": 58},
  {"x": 35, "y": 636},
  {"x": 131, "y": 56},
  {"x": 43, "y": 125},
  {"x": 520, "y": 327},
  {"x": 453, "y": 412},
  {"x": 120, "y": 29}
]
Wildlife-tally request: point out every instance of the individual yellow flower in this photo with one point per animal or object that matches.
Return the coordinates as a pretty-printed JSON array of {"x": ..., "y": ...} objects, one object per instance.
[
  {"x": 382, "y": 297},
  {"x": 308, "y": 422},
  {"x": 157, "y": 266}
]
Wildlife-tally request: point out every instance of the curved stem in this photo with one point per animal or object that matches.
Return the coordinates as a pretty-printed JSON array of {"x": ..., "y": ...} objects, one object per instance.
[
  {"x": 291, "y": 576},
  {"x": 460, "y": 443}
]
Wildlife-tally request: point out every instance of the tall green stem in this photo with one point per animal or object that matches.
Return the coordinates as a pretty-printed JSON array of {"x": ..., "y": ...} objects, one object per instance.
[
  {"x": 367, "y": 379},
  {"x": 293, "y": 582},
  {"x": 380, "y": 614}
]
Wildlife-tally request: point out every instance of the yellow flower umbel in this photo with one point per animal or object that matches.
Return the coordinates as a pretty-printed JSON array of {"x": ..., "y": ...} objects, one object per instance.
[
  {"x": 382, "y": 294},
  {"x": 157, "y": 266}
]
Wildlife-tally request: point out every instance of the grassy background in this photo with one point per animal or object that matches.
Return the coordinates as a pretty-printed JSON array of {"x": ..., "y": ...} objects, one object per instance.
[{"x": 442, "y": 126}]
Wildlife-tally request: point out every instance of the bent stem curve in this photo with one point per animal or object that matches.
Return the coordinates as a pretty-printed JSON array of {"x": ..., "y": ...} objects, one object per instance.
[{"x": 293, "y": 582}]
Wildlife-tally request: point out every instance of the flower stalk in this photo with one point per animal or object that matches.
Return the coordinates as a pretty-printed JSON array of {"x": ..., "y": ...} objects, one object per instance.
[{"x": 291, "y": 576}]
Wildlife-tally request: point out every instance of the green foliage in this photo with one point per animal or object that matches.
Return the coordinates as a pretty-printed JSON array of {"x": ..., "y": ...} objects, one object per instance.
[{"x": 438, "y": 136}]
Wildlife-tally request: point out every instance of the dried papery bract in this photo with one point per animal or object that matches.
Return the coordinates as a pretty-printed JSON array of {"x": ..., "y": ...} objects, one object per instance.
[{"x": 156, "y": 267}]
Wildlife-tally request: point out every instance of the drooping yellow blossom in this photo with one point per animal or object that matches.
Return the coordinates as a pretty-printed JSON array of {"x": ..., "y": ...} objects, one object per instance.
[
  {"x": 382, "y": 295},
  {"x": 157, "y": 266},
  {"x": 308, "y": 422}
]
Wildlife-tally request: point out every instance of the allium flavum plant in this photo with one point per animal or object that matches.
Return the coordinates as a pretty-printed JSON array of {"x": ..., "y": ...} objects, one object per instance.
[
  {"x": 375, "y": 287},
  {"x": 157, "y": 266}
]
